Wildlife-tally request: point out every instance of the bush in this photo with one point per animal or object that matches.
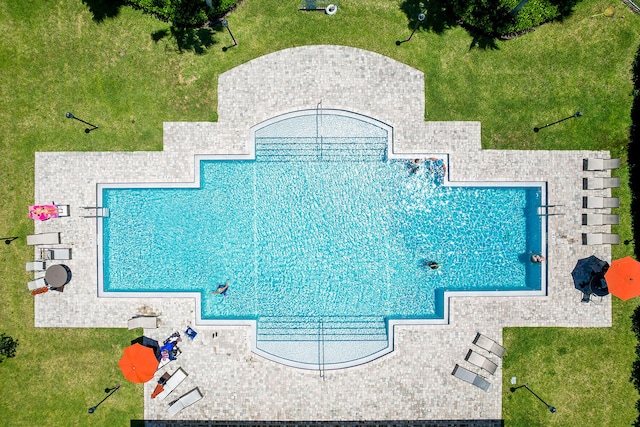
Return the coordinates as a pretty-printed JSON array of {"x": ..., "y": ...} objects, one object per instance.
[
  {"x": 184, "y": 13},
  {"x": 7, "y": 347}
]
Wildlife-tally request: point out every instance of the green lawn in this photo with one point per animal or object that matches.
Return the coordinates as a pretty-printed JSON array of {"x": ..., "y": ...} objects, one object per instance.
[{"x": 128, "y": 74}]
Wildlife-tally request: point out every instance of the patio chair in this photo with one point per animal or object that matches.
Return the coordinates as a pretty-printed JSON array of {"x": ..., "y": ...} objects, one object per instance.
[
  {"x": 36, "y": 266},
  {"x": 145, "y": 322},
  {"x": 185, "y": 401},
  {"x": 55, "y": 253},
  {"x": 600, "y": 219},
  {"x": 600, "y": 164},
  {"x": 174, "y": 380},
  {"x": 43, "y": 239},
  {"x": 470, "y": 377},
  {"x": 36, "y": 284},
  {"x": 600, "y": 239},
  {"x": 481, "y": 362},
  {"x": 596, "y": 202},
  {"x": 600, "y": 183},
  {"x": 488, "y": 344}
]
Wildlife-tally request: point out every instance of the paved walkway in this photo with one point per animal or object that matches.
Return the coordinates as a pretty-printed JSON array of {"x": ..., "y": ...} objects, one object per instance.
[{"x": 414, "y": 382}]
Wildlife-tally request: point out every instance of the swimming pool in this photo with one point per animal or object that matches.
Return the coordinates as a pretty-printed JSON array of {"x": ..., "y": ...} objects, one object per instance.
[{"x": 315, "y": 229}]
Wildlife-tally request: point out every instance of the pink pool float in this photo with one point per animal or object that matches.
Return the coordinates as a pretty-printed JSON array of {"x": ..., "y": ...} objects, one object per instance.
[{"x": 43, "y": 212}]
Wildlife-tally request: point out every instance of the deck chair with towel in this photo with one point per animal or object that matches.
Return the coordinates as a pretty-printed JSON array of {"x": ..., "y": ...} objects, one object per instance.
[
  {"x": 596, "y": 202},
  {"x": 600, "y": 183},
  {"x": 36, "y": 266},
  {"x": 185, "y": 401},
  {"x": 174, "y": 381},
  {"x": 488, "y": 344},
  {"x": 470, "y": 377},
  {"x": 43, "y": 239},
  {"x": 145, "y": 322},
  {"x": 55, "y": 253},
  {"x": 36, "y": 284},
  {"x": 600, "y": 219},
  {"x": 600, "y": 239},
  {"x": 481, "y": 362},
  {"x": 600, "y": 164}
]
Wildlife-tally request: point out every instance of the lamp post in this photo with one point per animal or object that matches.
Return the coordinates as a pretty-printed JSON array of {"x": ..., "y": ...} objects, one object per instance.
[
  {"x": 8, "y": 240},
  {"x": 106, "y": 390},
  {"x": 421, "y": 17},
  {"x": 87, "y": 130},
  {"x": 225, "y": 24},
  {"x": 513, "y": 381},
  {"x": 576, "y": 115}
]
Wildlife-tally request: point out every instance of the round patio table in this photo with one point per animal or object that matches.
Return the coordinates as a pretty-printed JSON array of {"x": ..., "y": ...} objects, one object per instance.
[{"x": 57, "y": 275}]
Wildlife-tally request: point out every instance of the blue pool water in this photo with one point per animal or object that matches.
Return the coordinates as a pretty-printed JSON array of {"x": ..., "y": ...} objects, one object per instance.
[{"x": 320, "y": 238}]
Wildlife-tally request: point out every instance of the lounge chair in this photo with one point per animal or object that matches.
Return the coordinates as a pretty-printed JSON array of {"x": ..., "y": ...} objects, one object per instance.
[
  {"x": 56, "y": 253},
  {"x": 43, "y": 239},
  {"x": 470, "y": 377},
  {"x": 36, "y": 266},
  {"x": 146, "y": 322},
  {"x": 600, "y": 239},
  {"x": 599, "y": 183},
  {"x": 185, "y": 401},
  {"x": 63, "y": 210},
  {"x": 37, "y": 284},
  {"x": 481, "y": 362},
  {"x": 600, "y": 164},
  {"x": 174, "y": 380},
  {"x": 488, "y": 344},
  {"x": 600, "y": 219},
  {"x": 596, "y": 202}
]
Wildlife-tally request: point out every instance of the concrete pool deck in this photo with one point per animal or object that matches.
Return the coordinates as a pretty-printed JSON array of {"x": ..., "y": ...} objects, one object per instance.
[{"x": 414, "y": 382}]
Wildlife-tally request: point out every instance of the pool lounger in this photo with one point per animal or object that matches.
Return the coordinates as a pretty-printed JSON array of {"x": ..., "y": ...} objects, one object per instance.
[
  {"x": 470, "y": 377},
  {"x": 185, "y": 401},
  {"x": 600, "y": 183},
  {"x": 600, "y": 219},
  {"x": 36, "y": 284},
  {"x": 481, "y": 362},
  {"x": 600, "y": 239},
  {"x": 55, "y": 253},
  {"x": 174, "y": 381},
  {"x": 596, "y": 202},
  {"x": 43, "y": 239},
  {"x": 36, "y": 266},
  {"x": 600, "y": 164},
  {"x": 488, "y": 344},
  {"x": 145, "y": 322}
]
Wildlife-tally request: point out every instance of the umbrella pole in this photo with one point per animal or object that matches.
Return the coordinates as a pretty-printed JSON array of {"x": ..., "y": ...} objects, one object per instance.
[{"x": 106, "y": 390}]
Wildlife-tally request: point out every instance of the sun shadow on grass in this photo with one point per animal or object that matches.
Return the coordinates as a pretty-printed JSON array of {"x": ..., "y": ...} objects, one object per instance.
[
  {"x": 102, "y": 9},
  {"x": 438, "y": 17},
  {"x": 633, "y": 154},
  {"x": 197, "y": 40}
]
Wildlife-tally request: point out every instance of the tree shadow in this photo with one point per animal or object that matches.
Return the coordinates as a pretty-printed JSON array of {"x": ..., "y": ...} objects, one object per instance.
[
  {"x": 482, "y": 41},
  {"x": 633, "y": 154},
  {"x": 197, "y": 40},
  {"x": 439, "y": 17},
  {"x": 565, "y": 7},
  {"x": 102, "y": 9}
]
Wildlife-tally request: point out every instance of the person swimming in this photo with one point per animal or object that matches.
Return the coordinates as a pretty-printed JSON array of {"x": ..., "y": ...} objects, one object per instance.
[{"x": 222, "y": 289}]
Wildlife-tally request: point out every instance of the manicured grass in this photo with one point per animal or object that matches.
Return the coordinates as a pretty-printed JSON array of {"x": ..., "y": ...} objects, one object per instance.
[{"x": 128, "y": 74}]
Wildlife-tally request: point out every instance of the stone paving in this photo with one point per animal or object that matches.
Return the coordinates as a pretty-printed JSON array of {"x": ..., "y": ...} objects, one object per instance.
[{"x": 413, "y": 382}]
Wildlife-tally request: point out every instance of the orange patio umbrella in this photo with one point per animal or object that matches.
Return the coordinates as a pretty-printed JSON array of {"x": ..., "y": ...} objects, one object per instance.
[
  {"x": 623, "y": 278},
  {"x": 138, "y": 363}
]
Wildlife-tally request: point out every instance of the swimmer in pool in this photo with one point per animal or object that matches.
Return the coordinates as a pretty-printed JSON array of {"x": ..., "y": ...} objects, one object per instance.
[{"x": 222, "y": 289}]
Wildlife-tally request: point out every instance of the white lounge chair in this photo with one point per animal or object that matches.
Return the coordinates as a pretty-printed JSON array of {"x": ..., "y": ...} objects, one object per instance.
[
  {"x": 37, "y": 284},
  {"x": 174, "y": 381},
  {"x": 63, "y": 210},
  {"x": 599, "y": 183},
  {"x": 600, "y": 239},
  {"x": 185, "y": 401},
  {"x": 488, "y": 344},
  {"x": 43, "y": 239},
  {"x": 600, "y": 219},
  {"x": 600, "y": 164},
  {"x": 596, "y": 202},
  {"x": 481, "y": 361},
  {"x": 470, "y": 377},
  {"x": 145, "y": 322},
  {"x": 36, "y": 266},
  {"x": 55, "y": 253}
]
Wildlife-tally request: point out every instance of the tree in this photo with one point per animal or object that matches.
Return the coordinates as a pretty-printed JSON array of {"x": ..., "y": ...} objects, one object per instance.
[{"x": 7, "y": 346}]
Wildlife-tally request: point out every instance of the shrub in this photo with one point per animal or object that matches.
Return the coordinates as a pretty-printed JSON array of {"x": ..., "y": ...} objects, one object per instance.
[
  {"x": 184, "y": 13},
  {"x": 7, "y": 347}
]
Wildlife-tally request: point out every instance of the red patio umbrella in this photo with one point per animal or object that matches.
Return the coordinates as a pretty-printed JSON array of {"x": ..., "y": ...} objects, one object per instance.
[
  {"x": 138, "y": 363},
  {"x": 623, "y": 278}
]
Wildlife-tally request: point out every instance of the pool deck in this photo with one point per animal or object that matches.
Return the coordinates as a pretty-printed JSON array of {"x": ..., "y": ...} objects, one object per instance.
[{"x": 413, "y": 382}]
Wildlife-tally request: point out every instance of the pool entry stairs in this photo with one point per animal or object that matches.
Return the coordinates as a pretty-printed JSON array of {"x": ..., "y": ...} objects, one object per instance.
[
  {"x": 320, "y": 149},
  {"x": 321, "y": 341}
]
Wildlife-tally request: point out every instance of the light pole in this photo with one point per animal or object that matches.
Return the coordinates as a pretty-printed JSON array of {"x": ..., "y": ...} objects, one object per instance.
[
  {"x": 225, "y": 24},
  {"x": 421, "y": 18},
  {"x": 106, "y": 390},
  {"x": 8, "y": 240},
  {"x": 513, "y": 381},
  {"x": 576, "y": 115},
  {"x": 87, "y": 130}
]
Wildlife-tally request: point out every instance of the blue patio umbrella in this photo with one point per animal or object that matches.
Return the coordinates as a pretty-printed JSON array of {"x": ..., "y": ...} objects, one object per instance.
[{"x": 585, "y": 269}]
